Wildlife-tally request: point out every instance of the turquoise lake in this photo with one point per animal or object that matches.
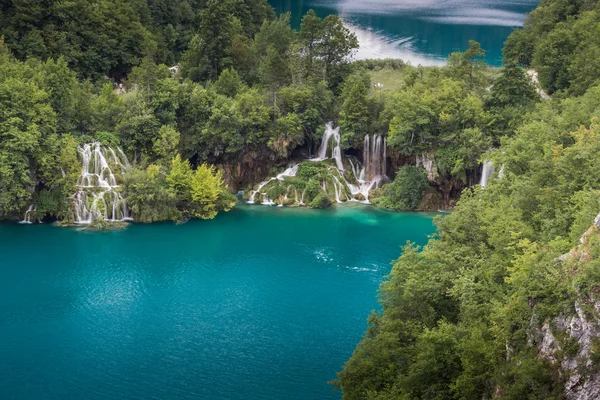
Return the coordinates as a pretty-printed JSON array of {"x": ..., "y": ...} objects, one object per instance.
[
  {"x": 420, "y": 31},
  {"x": 259, "y": 303}
]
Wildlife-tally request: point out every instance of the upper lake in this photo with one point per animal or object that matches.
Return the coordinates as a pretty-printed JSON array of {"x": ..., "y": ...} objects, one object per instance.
[{"x": 420, "y": 31}]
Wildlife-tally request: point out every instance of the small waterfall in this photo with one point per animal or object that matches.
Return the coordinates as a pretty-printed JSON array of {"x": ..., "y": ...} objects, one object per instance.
[
  {"x": 27, "y": 217},
  {"x": 291, "y": 171},
  {"x": 337, "y": 187},
  {"x": 98, "y": 196},
  {"x": 331, "y": 134},
  {"x": 486, "y": 171}
]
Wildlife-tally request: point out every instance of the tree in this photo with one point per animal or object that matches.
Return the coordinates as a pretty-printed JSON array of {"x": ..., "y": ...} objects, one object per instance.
[
  {"x": 146, "y": 74},
  {"x": 468, "y": 65},
  {"x": 511, "y": 93},
  {"x": 209, "y": 52},
  {"x": 288, "y": 134},
  {"x": 107, "y": 109},
  {"x": 270, "y": 48},
  {"x": 354, "y": 116},
  {"x": 273, "y": 71},
  {"x": 165, "y": 147},
  {"x": 207, "y": 187},
  {"x": 336, "y": 46},
  {"x": 406, "y": 191},
  {"x": 139, "y": 129},
  {"x": 311, "y": 31},
  {"x": 28, "y": 139},
  {"x": 229, "y": 83}
]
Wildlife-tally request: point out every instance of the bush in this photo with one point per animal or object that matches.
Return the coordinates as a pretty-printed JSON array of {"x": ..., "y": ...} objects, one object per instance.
[
  {"x": 406, "y": 191},
  {"x": 321, "y": 201}
]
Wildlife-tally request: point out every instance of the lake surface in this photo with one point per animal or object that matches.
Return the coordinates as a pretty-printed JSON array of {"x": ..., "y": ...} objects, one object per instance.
[
  {"x": 420, "y": 31},
  {"x": 260, "y": 303}
]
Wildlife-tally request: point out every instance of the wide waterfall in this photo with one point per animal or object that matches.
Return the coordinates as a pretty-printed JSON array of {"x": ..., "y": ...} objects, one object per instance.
[
  {"x": 98, "y": 196},
  {"x": 486, "y": 171},
  {"x": 373, "y": 171},
  {"x": 346, "y": 179}
]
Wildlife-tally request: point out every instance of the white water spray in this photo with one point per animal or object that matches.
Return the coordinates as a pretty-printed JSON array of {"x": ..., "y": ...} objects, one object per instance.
[{"x": 372, "y": 174}]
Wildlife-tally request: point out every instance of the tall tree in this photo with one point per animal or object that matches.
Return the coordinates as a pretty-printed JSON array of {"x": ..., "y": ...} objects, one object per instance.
[
  {"x": 336, "y": 48},
  {"x": 210, "y": 50},
  {"x": 311, "y": 31}
]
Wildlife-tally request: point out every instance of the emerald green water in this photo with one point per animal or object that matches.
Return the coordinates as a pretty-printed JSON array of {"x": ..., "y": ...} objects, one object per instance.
[
  {"x": 260, "y": 303},
  {"x": 420, "y": 31}
]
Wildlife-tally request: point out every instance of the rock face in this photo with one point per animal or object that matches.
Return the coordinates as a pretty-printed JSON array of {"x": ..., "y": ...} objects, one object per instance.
[
  {"x": 251, "y": 167},
  {"x": 571, "y": 342},
  {"x": 427, "y": 161},
  {"x": 581, "y": 332}
]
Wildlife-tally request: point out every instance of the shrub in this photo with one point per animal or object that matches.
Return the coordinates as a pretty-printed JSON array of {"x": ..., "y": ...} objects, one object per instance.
[{"x": 406, "y": 191}]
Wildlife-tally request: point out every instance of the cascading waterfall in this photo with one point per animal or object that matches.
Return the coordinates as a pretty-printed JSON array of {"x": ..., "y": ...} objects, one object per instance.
[
  {"x": 372, "y": 174},
  {"x": 486, "y": 171},
  {"x": 373, "y": 171},
  {"x": 27, "y": 217},
  {"x": 98, "y": 196},
  {"x": 291, "y": 171},
  {"x": 369, "y": 175},
  {"x": 331, "y": 135}
]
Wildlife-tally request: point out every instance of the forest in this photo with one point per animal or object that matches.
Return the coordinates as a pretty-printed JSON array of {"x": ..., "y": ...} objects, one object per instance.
[
  {"x": 503, "y": 300},
  {"x": 228, "y": 84},
  {"x": 206, "y": 98}
]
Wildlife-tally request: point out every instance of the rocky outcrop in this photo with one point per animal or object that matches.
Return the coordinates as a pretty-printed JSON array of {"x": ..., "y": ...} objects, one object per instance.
[
  {"x": 427, "y": 161},
  {"x": 574, "y": 338},
  {"x": 248, "y": 168},
  {"x": 572, "y": 342}
]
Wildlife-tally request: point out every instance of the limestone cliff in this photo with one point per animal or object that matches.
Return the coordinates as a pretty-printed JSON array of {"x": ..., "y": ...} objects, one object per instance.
[{"x": 572, "y": 342}]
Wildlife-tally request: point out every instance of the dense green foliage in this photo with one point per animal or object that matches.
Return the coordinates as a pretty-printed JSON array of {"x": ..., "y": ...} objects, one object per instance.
[
  {"x": 245, "y": 88},
  {"x": 249, "y": 90},
  {"x": 107, "y": 37},
  {"x": 406, "y": 191},
  {"x": 461, "y": 317},
  {"x": 155, "y": 195},
  {"x": 561, "y": 41}
]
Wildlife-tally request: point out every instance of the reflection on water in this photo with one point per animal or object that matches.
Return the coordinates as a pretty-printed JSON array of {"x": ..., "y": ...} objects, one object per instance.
[
  {"x": 377, "y": 45},
  {"x": 420, "y": 31}
]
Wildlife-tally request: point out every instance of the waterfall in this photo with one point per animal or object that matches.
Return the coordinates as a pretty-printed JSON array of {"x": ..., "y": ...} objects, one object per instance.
[
  {"x": 331, "y": 134},
  {"x": 369, "y": 175},
  {"x": 291, "y": 171},
  {"x": 337, "y": 187},
  {"x": 27, "y": 217},
  {"x": 486, "y": 171},
  {"x": 373, "y": 171},
  {"x": 374, "y": 156},
  {"x": 98, "y": 196}
]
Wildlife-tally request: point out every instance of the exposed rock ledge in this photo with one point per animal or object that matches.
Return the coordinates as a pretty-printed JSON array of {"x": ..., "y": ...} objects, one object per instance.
[{"x": 581, "y": 331}]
